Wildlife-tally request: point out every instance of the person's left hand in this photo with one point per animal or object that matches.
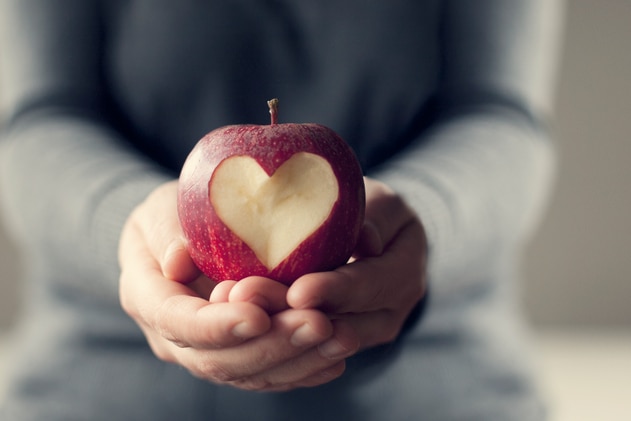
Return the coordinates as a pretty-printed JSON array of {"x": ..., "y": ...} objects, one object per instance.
[{"x": 377, "y": 291}]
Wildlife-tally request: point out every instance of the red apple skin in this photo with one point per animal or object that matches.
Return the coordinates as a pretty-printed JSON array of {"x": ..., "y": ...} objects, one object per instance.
[{"x": 218, "y": 252}]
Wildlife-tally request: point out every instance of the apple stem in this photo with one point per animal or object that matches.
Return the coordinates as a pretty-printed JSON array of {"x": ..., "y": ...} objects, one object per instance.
[{"x": 273, "y": 110}]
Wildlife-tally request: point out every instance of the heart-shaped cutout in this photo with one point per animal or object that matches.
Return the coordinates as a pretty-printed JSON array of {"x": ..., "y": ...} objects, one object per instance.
[{"x": 274, "y": 214}]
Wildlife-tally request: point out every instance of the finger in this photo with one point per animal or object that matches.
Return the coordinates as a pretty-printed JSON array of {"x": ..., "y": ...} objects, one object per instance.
[
  {"x": 190, "y": 323},
  {"x": 292, "y": 333},
  {"x": 163, "y": 233},
  {"x": 385, "y": 214},
  {"x": 380, "y": 283},
  {"x": 369, "y": 243},
  {"x": 175, "y": 311},
  {"x": 316, "y": 366},
  {"x": 221, "y": 292},
  {"x": 325, "y": 375},
  {"x": 268, "y": 294},
  {"x": 203, "y": 286},
  {"x": 177, "y": 264},
  {"x": 376, "y": 327}
]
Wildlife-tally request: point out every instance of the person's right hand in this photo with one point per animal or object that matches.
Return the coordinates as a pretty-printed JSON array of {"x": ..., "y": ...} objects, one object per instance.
[{"x": 238, "y": 333}]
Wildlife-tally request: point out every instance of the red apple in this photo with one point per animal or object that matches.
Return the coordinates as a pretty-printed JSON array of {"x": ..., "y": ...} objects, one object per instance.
[{"x": 278, "y": 201}]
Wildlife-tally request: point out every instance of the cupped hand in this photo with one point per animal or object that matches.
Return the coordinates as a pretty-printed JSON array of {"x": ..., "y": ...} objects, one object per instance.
[
  {"x": 376, "y": 292},
  {"x": 238, "y": 333}
]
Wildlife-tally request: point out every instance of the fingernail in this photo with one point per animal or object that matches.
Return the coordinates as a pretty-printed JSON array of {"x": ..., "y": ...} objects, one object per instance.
[
  {"x": 304, "y": 335},
  {"x": 241, "y": 330},
  {"x": 260, "y": 301},
  {"x": 332, "y": 349}
]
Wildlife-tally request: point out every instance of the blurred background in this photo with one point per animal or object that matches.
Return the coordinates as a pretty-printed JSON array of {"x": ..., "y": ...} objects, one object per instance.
[
  {"x": 578, "y": 270},
  {"x": 577, "y": 284}
]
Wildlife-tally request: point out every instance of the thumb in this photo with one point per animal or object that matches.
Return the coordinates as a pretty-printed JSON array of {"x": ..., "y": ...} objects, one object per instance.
[
  {"x": 369, "y": 243},
  {"x": 158, "y": 220},
  {"x": 386, "y": 215},
  {"x": 177, "y": 264}
]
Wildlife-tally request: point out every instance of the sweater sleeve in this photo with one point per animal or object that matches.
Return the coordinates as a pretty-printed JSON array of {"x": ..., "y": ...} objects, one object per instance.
[
  {"x": 68, "y": 179},
  {"x": 480, "y": 175}
]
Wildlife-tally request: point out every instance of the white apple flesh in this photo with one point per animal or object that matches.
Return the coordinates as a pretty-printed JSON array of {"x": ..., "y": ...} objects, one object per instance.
[
  {"x": 288, "y": 206},
  {"x": 279, "y": 201}
]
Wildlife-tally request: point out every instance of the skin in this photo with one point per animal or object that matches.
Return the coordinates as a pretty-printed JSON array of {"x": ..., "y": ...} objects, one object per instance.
[{"x": 258, "y": 334}]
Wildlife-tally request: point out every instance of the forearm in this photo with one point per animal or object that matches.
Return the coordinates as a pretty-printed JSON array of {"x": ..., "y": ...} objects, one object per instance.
[
  {"x": 68, "y": 178},
  {"x": 67, "y": 185},
  {"x": 478, "y": 182},
  {"x": 479, "y": 173}
]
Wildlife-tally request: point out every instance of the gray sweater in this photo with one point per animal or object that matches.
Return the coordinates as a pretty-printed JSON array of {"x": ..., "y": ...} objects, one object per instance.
[{"x": 446, "y": 101}]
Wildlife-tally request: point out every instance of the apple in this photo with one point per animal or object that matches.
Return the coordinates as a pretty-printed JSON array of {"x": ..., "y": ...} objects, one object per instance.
[{"x": 278, "y": 200}]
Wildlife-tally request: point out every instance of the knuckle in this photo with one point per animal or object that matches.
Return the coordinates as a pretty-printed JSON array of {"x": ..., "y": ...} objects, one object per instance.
[
  {"x": 254, "y": 384},
  {"x": 161, "y": 352},
  {"x": 211, "y": 370}
]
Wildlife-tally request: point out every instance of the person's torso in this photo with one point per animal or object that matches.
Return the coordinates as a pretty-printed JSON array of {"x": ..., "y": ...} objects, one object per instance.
[{"x": 177, "y": 70}]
